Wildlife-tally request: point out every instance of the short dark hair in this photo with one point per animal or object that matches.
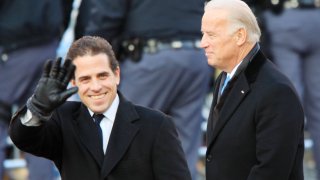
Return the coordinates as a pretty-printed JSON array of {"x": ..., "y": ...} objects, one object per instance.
[{"x": 92, "y": 45}]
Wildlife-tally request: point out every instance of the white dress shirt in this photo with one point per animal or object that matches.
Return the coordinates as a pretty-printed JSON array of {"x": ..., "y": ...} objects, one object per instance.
[
  {"x": 234, "y": 70},
  {"x": 106, "y": 123}
]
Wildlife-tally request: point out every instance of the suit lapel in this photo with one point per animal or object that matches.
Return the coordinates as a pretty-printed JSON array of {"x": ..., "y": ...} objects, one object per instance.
[
  {"x": 123, "y": 132},
  {"x": 215, "y": 99},
  {"x": 87, "y": 131},
  {"x": 229, "y": 103}
]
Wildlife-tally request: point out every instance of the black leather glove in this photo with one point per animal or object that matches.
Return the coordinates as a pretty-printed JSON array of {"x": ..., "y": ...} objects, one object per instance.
[{"x": 51, "y": 90}]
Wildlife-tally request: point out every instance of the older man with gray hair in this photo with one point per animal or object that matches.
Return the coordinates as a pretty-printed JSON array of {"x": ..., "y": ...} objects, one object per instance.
[{"x": 256, "y": 123}]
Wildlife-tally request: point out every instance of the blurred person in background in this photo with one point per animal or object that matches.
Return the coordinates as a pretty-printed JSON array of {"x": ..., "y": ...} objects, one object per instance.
[
  {"x": 29, "y": 34},
  {"x": 295, "y": 47},
  {"x": 162, "y": 65}
]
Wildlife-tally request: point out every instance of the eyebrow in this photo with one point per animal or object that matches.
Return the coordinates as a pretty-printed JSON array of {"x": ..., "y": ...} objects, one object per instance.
[
  {"x": 104, "y": 73},
  {"x": 98, "y": 74}
]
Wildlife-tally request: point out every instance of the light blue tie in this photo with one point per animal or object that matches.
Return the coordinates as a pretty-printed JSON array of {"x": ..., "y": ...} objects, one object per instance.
[{"x": 225, "y": 83}]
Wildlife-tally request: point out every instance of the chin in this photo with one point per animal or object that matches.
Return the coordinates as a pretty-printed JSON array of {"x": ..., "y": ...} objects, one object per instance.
[
  {"x": 97, "y": 109},
  {"x": 211, "y": 63}
]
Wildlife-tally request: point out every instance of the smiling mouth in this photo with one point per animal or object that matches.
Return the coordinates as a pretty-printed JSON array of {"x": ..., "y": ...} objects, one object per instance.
[{"x": 97, "y": 96}]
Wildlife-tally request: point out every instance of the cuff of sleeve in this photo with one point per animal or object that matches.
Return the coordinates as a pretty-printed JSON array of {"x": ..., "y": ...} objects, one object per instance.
[
  {"x": 28, "y": 119},
  {"x": 36, "y": 112}
]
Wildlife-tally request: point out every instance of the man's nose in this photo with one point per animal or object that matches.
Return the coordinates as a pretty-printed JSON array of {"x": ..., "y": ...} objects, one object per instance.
[
  {"x": 203, "y": 42},
  {"x": 95, "y": 85}
]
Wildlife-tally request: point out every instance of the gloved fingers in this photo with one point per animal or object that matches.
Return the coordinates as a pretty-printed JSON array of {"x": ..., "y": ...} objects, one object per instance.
[
  {"x": 55, "y": 68},
  {"x": 63, "y": 70},
  {"x": 47, "y": 68},
  {"x": 70, "y": 68},
  {"x": 67, "y": 93}
]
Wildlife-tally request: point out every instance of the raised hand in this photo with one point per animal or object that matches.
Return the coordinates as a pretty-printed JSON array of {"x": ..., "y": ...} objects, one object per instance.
[{"x": 51, "y": 90}]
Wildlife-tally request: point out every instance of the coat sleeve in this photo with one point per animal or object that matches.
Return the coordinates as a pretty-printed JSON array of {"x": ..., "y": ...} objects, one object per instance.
[
  {"x": 168, "y": 158},
  {"x": 279, "y": 122},
  {"x": 43, "y": 140}
]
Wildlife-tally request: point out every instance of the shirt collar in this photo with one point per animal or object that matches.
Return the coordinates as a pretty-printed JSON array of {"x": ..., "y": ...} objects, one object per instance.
[
  {"x": 111, "y": 112},
  {"x": 230, "y": 75}
]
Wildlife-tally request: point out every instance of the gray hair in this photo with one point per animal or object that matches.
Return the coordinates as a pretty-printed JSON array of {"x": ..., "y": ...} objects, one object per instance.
[{"x": 240, "y": 16}]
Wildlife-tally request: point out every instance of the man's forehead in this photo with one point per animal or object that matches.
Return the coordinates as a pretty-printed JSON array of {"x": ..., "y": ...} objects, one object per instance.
[{"x": 211, "y": 22}]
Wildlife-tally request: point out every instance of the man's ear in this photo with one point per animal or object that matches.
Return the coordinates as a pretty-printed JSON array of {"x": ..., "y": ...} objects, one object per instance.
[
  {"x": 241, "y": 36},
  {"x": 117, "y": 73}
]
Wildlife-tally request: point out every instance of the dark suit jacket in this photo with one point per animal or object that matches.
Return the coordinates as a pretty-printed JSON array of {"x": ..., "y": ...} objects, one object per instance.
[
  {"x": 255, "y": 129},
  {"x": 143, "y": 145}
]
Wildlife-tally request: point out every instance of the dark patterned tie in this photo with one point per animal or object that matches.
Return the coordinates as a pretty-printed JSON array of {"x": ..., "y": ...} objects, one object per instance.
[{"x": 97, "y": 119}]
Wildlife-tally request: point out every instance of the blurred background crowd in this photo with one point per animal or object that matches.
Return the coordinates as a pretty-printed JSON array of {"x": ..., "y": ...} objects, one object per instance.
[{"x": 162, "y": 65}]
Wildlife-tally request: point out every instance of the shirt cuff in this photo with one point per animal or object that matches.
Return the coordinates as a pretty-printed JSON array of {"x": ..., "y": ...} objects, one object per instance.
[{"x": 28, "y": 119}]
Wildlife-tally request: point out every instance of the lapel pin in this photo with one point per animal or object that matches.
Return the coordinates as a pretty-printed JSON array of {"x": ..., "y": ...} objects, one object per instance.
[{"x": 242, "y": 91}]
